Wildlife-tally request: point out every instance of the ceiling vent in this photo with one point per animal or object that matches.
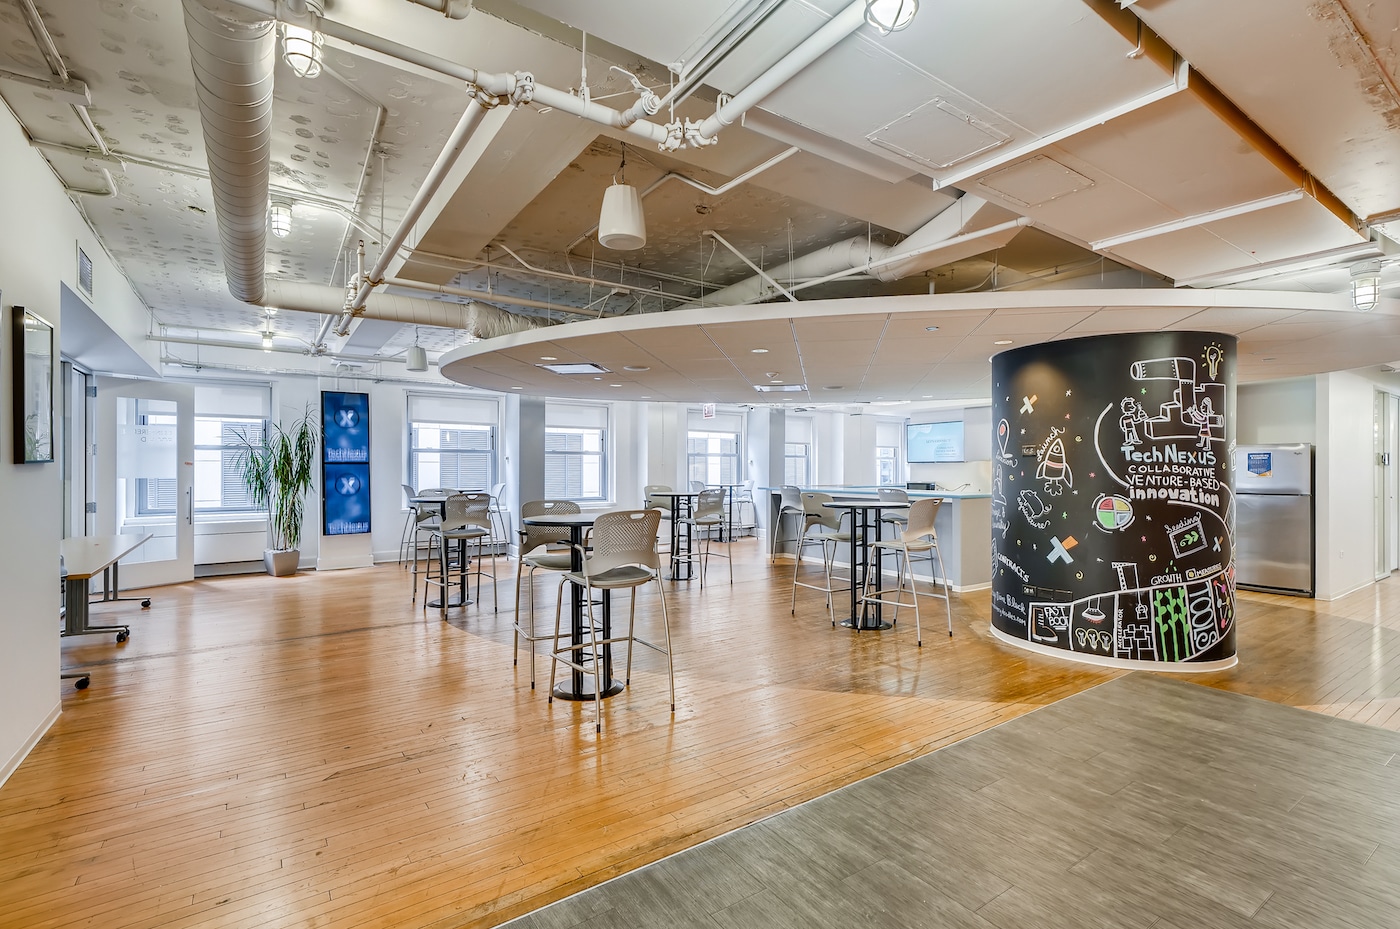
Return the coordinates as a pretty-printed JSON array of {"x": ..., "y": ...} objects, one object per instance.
[
  {"x": 574, "y": 367},
  {"x": 84, "y": 271},
  {"x": 939, "y": 135}
]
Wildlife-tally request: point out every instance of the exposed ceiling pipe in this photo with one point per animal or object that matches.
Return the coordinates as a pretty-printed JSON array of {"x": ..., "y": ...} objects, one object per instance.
[
  {"x": 71, "y": 85},
  {"x": 233, "y": 58},
  {"x": 715, "y": 46},
  {"x": 452, "y": 9},
  {"x": 282, "y": 349},
  {"x": 934, "y": 254},
  {"x": 447, "y": 290},
  {"x": 817, "y": 44},
  {"x": 479, "y": 319},
  {"x": 481, "y": 103},
  {"x": 859, "y": 255}
]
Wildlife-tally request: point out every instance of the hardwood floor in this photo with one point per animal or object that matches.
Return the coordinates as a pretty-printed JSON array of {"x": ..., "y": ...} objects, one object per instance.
[{"x": 319, "y": 751}]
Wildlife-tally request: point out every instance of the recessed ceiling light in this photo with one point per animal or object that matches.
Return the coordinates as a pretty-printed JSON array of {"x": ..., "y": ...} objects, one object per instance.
[
  {"x": 646, "y": 398},
  {"x": 834, "y": 387},
  {"x": 548, "y": 358},
  {"x": 614, "y": 385},
  {"x": 575, "y": 367},
  {"x": 517, "y": 388},
  {"x": 1002, "y": 342},
  {"x": 636, "y": 367},
  {"x": 930, "y": 328},
  {"x": 928, "y": 396},
  {"x": 765, "y": 388},
  {"x": 759, "y": 351}
]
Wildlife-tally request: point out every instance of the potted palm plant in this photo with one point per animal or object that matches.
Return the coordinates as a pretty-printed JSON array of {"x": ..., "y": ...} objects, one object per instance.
[{"x": 278, "y": 475}]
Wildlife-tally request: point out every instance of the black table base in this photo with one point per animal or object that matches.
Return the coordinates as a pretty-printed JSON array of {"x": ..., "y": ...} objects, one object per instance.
[
  {"x": 876, "y": 625},
  {"x": 564, "y": 689}
]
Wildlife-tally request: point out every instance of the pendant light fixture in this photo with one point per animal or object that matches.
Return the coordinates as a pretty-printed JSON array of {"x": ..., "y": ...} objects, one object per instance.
[
  {"x": 279, "y": 217},
  {"x": 302, "y": 44},
  {"x": 417, "y": 357},
  {"x": 621, "y": 224},
  {"x": 1366, "y": 285}
]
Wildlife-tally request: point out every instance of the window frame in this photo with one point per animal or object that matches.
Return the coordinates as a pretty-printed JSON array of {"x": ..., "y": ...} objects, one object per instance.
[{"x": 601, "y": 459}]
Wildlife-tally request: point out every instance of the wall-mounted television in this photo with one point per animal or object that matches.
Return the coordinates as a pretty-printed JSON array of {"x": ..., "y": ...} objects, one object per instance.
[{"x": 935, "y": 442}]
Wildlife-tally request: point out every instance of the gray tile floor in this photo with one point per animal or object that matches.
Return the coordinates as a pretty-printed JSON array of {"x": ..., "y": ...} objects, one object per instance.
[{"x": 1145, "y": 802}]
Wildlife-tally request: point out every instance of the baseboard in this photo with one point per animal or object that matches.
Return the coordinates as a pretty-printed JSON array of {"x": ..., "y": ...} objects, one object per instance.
[
  {"x": 12, "y": 765},
  {"x": 229, "y": 568}
]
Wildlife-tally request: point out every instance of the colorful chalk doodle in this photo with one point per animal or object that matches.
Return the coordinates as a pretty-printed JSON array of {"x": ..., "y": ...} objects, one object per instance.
[
  {"x": 1113, "y": 512},
  {"x": 1131, "y": 430}
]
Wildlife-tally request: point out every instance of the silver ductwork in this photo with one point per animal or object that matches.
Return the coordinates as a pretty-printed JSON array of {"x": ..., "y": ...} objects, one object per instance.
[
  {"x": 234, "y": 54},
  {"x": 478, "y": 319},
  {"x": 859, "y": 253}
]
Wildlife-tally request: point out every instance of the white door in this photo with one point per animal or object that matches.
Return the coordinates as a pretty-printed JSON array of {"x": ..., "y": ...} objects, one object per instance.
[{"x": 145, "y": 450}]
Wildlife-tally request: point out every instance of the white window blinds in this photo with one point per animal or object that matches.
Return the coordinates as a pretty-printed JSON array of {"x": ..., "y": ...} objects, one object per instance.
[{"x": 446, "y": 409}]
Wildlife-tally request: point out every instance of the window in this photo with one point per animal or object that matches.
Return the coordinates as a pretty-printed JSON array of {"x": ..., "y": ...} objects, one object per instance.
[
  {"x": 225, "y": 417},
  {"x": 451, "y": 442},
  {"x": 797, "y": 464},
  {"x": 712, "y": 448},
  {"x": 797, "y": 451},
  {"x": 887, "y": 445},
  {"x": 887, "y": 465},
  {"x": 575, "y": 452}
]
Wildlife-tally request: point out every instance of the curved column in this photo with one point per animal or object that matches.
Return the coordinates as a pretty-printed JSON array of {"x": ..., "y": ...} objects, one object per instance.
[{"x": 1113, "y": 499}]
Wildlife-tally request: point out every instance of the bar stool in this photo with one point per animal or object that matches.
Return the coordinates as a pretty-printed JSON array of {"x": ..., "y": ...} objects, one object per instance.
[
  {"x": 664, "y": 504},
  {"x": 623, "y": 556},
  {"x": 897, "y": 519},
  {"x": 821, "y": 525},
  {"x": 742, "y": 496},
  {"x": 409, "y": 522},
  {"x": 498, "y": 515},
  {"x": 466, "y": 518},
  {"x": 710, "y": 517},
  {"x": 790, "y": 504},
  {"x": 540, "y": 550},
  {"x": 918, "y": 537},
  {"x": 428, "y": 521}
]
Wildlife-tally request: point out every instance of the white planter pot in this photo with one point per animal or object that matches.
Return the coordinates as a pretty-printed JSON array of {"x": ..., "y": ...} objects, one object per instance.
[{"x": 281, "y": 564}]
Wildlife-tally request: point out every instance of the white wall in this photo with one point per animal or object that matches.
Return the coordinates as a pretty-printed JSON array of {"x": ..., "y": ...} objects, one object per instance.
[
  {"x": 1276, "y": 412},
  {"x": 38, "y": 249},
  {"x": 1345, "y": 487}
]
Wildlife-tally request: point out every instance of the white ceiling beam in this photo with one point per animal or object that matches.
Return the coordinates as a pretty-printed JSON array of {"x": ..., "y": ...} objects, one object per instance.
[
  {"x": 1200, "y": 219},
  {"x": 1313, "y": 262},
  {"x": 1177, "y": 85}
]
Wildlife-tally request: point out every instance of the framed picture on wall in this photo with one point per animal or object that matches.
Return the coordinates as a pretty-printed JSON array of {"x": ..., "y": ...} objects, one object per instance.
[{"x": 33, "y": 361}]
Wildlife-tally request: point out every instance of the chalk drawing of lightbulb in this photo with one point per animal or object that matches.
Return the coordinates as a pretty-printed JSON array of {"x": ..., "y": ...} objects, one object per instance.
[{"x": 1213, "y": 356}]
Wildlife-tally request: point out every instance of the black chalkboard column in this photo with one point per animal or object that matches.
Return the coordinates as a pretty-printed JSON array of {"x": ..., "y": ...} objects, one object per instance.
[{"x": 1113, "y": 498}]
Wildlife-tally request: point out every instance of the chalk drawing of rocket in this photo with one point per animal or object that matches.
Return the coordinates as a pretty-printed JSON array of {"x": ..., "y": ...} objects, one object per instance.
[{"x": 1054, "y": 469}]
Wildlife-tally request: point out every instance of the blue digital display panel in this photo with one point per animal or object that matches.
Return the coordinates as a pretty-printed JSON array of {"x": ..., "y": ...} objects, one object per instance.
[
  {"x": 346, "y": 498},
  {"x": 345, "y": 427},
  {"x": 344, "y": 463},
  {"x": 936, "y": 441}
]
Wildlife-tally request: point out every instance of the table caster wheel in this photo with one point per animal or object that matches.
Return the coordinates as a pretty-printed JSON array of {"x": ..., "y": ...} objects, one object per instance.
[
  {"x": 81, "y": 683},
  {"x": 123, "y": 636},
  {"x": 146, "y": 604}
]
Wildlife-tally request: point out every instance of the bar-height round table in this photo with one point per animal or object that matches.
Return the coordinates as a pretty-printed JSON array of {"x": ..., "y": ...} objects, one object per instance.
[
  {"x": 440, "y": 501},
  {"x": 864, "y": 616},
  {"x": 577, "y": 687},
  {"x": 682, "y": 502}
]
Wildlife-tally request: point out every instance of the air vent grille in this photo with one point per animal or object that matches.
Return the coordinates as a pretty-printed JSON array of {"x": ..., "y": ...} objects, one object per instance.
[{"x": 84, "y": 272}]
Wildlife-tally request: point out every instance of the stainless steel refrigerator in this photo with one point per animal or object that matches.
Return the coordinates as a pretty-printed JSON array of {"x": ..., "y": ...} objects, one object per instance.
[{"x": 1274, "y": 518}]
